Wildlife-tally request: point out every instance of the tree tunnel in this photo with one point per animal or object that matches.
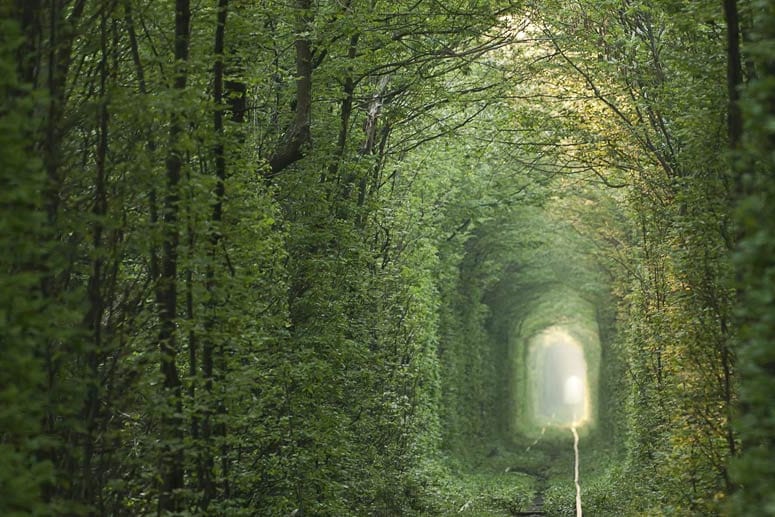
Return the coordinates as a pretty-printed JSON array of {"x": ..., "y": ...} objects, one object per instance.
[
  {"x": 543, "y": 328},
  {"x": 553, "y": 352},
  {"x": 528, "y": 356},
  {"x": 522, "y": 353}
]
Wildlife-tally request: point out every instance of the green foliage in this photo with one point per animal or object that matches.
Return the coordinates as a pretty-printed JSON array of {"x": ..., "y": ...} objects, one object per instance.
[
  {"x": 753, "y": 471},
  {"x": 305, "y": 277},
  {"x": 24, "y": 314},
  {"x": 455, "y": 489},
  {"x": 650, "y": 85}
]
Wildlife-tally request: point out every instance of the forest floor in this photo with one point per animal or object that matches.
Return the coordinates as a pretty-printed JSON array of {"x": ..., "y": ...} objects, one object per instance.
[{"x": 517, "y": 479}]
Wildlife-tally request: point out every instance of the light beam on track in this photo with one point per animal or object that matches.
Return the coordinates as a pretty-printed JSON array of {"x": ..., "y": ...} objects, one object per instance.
[{"x": 576, "y": 470}]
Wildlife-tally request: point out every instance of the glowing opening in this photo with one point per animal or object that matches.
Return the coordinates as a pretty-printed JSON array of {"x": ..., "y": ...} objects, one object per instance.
[
  {"x": 558, "y": 382},
  {"x": 574, "y": 390}
]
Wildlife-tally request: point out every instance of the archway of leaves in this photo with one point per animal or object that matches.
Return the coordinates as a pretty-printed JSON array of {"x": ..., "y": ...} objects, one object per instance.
[
  {"x": 555, "y": 363},
  {"x": 531, "y": 318},
  {"x": 549, "y": 340},
  {"x": 549, "y": 321}
]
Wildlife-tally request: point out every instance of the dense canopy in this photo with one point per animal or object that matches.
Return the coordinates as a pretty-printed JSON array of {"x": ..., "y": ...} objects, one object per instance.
[{"x": 350, "y": 257}]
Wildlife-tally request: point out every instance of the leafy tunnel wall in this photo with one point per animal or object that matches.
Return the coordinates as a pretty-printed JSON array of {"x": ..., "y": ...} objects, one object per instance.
[
  {"x": 558, "y": 308},
  {"x": 521, "y": 274}
]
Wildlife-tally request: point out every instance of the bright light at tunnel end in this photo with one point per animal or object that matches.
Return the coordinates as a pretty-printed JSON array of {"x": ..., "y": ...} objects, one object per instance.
[
  {"x": 559, "y": 380},
  {"x": 573, "y": 394},
  {"x": 574, "y": 390}
]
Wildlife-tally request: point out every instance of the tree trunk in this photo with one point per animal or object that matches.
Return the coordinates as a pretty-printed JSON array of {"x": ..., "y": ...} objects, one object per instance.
[
  {"x": 95, "y": 285},
  {"x": 207, "y": 482},
  {"x": 171, "y": 468},
  {"x": 734, "y": 74},
  {"x": 291, "y": 148}
]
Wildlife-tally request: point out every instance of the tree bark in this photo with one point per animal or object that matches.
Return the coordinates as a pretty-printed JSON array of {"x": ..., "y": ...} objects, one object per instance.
[
  {"x": 171, "y": 467},
  {"x": 95, "y": 286},
  {"x": 207, "y": 480},
  {"x": 291, "y": 148},
  {"x": 345, "y": 113},
  {"x": 734, "y": 74}
]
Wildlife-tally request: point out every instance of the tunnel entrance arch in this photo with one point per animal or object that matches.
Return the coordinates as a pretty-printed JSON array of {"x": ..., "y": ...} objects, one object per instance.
[
  {"x": 559, "y": 384},
  {"x": 554, "y": 363}
]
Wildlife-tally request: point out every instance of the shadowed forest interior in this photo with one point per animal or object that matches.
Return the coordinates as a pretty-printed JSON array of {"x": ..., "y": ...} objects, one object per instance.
[{"x": 387, "y": 257}]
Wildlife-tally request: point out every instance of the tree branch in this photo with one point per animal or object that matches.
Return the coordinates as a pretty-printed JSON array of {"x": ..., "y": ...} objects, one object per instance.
[{"x": 291, "y": 147}]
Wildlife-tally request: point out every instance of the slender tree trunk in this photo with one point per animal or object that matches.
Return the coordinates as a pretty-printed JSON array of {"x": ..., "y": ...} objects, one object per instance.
[
  {"x": 345, "y": 113},
  {"x": 207, "y": 482},
  {"x": 734, "y": 135},
  {"x": 734, "y": 74},
  {"x": 193, "y": 350},
  {"x": 62, "y": 34},
  {"x": 29, "y": 14},
  {"x": 291, "y": 149},
  {"x": 171, "y": 467},
  {"x": 95, "y": 285},
  {"x": 153, "y": 205}
]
